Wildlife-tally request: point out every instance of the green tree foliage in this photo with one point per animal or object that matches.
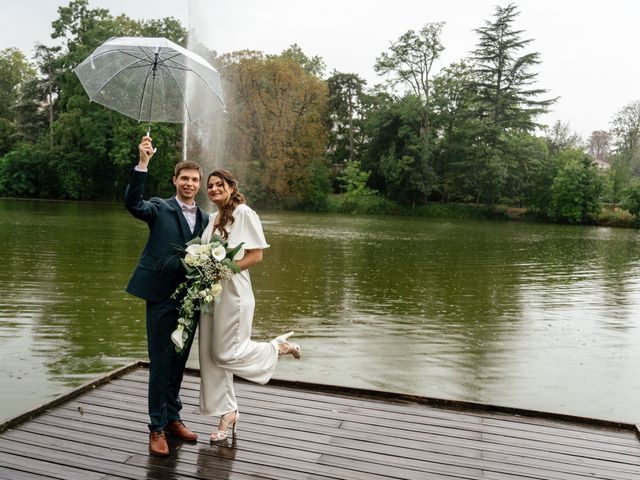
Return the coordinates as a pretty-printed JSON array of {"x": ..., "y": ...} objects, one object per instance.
[
  {"x": 24, "y": 172},
  {"x": 508, "y": 100},
  {"x": 88, "y": 150},
  {"x": 346, "y": 110},
  {"x": 409, "y": 63},
  {"x": 576, "y": 189},
  {"x": 14, "y": 72},
  {"x": 619, "y": 177},
  {"x": 314, "y": 66},
  {"x": 354, "y": 180},
  {"x": 524, "y": 155},
  {"x": 624, "y": 162},
  {"x": 625, "y": 128},
  {"x": 457, "y": 128},
  {"x": 560, "y": 137},
  {"x": 397, "y": 156},
  {"x": 631, "y": 200},
  {"x": 505, "y": 78}
]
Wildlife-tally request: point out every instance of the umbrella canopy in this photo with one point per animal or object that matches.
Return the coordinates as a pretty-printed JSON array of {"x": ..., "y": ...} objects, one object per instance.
[{"x": 151, "y": 80}]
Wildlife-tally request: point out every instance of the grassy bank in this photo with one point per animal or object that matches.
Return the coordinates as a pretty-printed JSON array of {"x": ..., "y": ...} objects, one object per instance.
[{"x": 376, "y": 205}]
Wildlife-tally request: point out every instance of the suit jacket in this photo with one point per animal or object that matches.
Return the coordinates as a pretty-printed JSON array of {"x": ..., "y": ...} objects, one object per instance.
[{"x": 159, "y": 270}]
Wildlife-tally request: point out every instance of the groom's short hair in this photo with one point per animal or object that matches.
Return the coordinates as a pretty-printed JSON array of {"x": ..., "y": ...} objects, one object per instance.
[{"x": 187, "y": 164}]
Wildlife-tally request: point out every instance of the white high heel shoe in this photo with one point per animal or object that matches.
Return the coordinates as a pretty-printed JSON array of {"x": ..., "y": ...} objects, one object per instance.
[
  {"x": 290, "y": 348},
  {"x": 219, "y": 435}
]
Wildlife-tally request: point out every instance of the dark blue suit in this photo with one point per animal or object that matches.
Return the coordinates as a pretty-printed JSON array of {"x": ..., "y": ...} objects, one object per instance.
[{"x": 155, "y": 278}]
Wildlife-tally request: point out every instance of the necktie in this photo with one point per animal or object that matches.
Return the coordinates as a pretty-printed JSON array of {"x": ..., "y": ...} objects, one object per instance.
[{"x": 189, "y": 209}]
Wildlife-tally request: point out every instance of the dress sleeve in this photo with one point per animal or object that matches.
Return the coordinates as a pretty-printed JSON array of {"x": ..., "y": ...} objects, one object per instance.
[{"x": 249, "y": 230}]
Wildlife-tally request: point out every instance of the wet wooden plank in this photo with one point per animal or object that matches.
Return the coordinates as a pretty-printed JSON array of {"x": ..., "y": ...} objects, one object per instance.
[
  {"x": 369, "y": 445},
  {"x": 291, "y": 433},
  {"x": 10, "y": 474},
  {"x": 329, "y": 401},
  {"x": 415, "y": 429},
  {"x": 400, "y": 453},
  {"x": 322, "y": 409}
]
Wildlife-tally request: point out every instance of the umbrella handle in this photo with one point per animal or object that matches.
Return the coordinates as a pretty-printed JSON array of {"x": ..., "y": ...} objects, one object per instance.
[{"x": 149, "y": 135}]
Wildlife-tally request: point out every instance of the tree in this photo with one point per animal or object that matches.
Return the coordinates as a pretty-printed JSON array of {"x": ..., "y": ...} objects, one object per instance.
[
  {"x": 276, "y": 127},
  {"x": 505, "y": 78},
  {"x": 524, "y": 154},
  {"x": 409, "y": 63},
  {"x": 46, "y": 59},
  {"x": 619, "y": 177},
  {"x": 598, "y": 146},
  {"x": 631, "y": 201},
  {"x": 576, "y": 189},
  {"x": 14, "y": 72},
  {"x": 508, "y": 101},
  {"x": 559, "y": 137},
  {"x": 625, "y": 161},
  {"x": 311, "y": 65},
  {"x": 457, "y": 129},
  {"x": 346, "y": 110},
  {"x": 354, "y": 181},
  {"x": 625, "y": 130},
  {"x": 396, "y": 155},
  {"x": 31, "y": 123}
]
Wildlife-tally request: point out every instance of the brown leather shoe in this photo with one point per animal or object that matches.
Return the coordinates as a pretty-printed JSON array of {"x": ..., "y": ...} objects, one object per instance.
[
  {"x": 158, "y": 444},
  {"x": 178, "y": 429}
]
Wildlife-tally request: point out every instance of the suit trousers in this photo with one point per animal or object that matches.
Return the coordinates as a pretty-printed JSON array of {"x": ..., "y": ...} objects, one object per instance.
[{"x": 166, "y": 367}]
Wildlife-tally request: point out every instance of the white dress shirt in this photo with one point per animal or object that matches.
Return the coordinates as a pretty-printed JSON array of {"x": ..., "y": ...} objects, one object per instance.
[{"x": 189, "y": 212}]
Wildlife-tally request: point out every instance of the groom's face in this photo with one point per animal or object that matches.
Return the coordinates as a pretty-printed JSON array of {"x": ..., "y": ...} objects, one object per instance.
[{"x": 187, "y": 184}]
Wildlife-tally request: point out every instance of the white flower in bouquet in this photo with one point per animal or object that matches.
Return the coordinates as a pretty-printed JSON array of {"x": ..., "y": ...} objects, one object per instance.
[
  {"x": 218, "y": 253},
  {"x": 198, "y": 249},
  {"x": 191, "y": 260},
  {"x": 176, "y": 336},
  {"x": 206, "y": 264}
]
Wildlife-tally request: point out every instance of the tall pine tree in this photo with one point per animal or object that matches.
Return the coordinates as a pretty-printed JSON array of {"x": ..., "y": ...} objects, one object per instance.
[{"x": 509, "y": 102}]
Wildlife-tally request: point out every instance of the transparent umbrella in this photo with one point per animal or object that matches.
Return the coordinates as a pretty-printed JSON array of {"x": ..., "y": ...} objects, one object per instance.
[{"x": 151, "y": 80}]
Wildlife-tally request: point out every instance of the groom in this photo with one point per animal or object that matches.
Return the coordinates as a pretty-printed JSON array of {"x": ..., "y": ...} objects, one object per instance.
[{"x": 172, "y": 222}]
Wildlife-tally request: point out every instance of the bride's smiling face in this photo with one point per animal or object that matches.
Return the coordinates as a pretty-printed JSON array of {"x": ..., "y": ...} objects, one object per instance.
[{"x": 218, "y": 191}]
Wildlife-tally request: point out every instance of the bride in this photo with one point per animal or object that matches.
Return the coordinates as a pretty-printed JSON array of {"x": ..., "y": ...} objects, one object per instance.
[{"x": 225, "y": 343}]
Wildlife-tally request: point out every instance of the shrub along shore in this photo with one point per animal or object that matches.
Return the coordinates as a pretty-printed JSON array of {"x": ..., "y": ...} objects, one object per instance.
[{"x": 376, "y": 205}]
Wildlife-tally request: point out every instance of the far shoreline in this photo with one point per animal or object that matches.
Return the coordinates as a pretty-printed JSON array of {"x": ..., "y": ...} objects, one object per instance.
[{"x": 445, "y": 211}]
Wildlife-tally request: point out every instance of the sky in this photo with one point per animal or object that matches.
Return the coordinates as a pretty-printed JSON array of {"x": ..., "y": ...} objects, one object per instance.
[{"x": 590, "y": 50}]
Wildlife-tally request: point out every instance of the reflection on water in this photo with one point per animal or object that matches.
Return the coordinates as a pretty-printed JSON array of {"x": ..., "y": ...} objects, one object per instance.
[{"x": 532, "y": 316}]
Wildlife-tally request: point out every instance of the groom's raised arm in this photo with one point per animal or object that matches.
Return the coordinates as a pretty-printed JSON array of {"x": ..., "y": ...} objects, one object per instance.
[{"x": 133, "y": 201}]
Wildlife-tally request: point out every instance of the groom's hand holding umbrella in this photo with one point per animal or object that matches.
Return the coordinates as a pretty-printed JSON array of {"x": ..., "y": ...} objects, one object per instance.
[{"x": 146, "y": 151}]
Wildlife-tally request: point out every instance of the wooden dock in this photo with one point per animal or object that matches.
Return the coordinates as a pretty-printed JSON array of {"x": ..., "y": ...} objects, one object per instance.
[{"x": 296, "y": 431}]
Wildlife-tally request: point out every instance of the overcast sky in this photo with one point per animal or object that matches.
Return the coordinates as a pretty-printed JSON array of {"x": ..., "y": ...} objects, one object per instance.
[{"x": 590, "y": 50}]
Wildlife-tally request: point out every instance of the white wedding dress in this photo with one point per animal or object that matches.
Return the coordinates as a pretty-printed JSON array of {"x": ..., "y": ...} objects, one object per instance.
[{"x": 225, "y": 344}]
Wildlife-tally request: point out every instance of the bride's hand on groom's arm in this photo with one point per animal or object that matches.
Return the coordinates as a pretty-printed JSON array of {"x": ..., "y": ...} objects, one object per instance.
[{"x": 146, "y": 151}]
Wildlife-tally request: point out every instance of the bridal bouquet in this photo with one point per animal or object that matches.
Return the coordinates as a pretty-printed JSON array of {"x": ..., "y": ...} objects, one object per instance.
[{"x": 207, "y": 264}]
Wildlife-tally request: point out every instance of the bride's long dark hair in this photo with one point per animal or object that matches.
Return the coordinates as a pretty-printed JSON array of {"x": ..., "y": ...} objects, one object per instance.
[{"x": 225, "y": 215}]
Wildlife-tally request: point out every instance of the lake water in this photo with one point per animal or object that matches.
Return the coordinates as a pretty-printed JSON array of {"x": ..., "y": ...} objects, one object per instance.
[{"x": 532, "y": 316}]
